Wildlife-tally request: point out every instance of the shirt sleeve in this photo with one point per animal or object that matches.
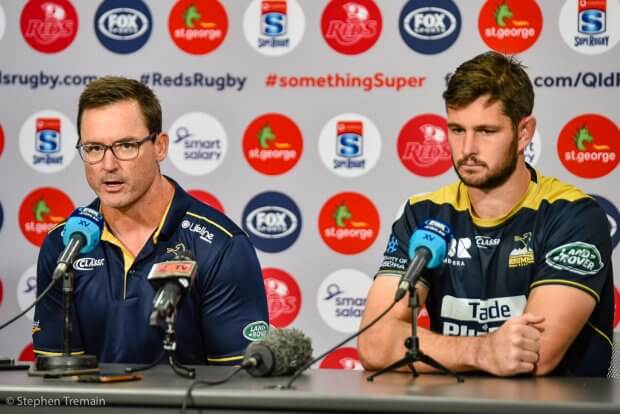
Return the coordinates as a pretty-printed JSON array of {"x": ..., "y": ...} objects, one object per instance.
[
  {"x": 233, "y": 303},
  {"x": 48, "y": 325},
  {"x": 396, "y": 254},
  {"x": 576, "y": 248}
]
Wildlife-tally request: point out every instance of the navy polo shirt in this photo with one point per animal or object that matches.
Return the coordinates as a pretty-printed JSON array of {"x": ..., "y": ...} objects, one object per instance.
[{"x": 225, "y": 308}]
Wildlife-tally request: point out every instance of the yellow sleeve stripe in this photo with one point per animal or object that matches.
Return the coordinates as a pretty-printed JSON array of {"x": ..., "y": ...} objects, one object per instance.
[
  {"x": 226, "y": 359},
  {"x": 56, "y": 226},
  {"x": 601, "y": 333},
  {"x": 390, "y": 272},
  {"x": 36, "y": 351},
  {"x": 569, "y": 283},
  {"x": 189, "y": 213}
]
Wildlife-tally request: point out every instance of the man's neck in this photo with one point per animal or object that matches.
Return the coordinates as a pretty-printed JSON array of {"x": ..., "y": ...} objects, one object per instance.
[
  {"x": 497, "y": 202},
  {"x": 142, "y": 218}
]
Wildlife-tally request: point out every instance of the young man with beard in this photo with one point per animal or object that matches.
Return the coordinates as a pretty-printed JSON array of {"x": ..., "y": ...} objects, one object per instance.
[
  {"x": 527, "y": 284},
  {"x": 148, "y": 218}
]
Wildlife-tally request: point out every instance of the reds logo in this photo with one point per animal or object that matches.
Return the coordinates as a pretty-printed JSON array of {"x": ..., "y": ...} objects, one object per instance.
[
  {"x": 283, "y": 297},
  {"x": 351, "y": 27},
  {"x": 49, "y": 26}
]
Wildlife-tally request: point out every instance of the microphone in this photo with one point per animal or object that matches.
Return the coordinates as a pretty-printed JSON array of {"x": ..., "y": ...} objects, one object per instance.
[
  {"x": 427, "y": 249},
  {"x": 81, "y": 235},
  {"x": 171, "y": 279},
  {"x": 280, "y": 352}
]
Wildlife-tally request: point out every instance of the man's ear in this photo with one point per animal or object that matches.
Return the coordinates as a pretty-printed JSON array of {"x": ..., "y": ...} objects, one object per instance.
[
  {"x": 525, "y": 132},
  {"x": 161, "y": 146}
]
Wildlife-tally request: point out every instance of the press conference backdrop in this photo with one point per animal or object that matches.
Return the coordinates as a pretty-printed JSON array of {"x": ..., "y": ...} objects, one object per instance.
[{"x": 309, "y": 122}]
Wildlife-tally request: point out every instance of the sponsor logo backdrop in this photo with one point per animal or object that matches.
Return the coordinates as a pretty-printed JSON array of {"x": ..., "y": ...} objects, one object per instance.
[{"x": 309, "y": 122}]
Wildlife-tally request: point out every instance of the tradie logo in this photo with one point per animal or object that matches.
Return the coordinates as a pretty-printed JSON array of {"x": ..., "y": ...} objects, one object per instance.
[
  {"x": 510, "y": 26},
  {"x": 49, "y": 26},
  {"x": 272, "y": 144},
  {"x": 351, "y": 27},
  {"x": 423, "y": 145},
  {"x": 198, "y": 26},
  {"x": 522, "y": 254},
  {"x": 588, "y": 146},
  {"x": 283, "y": 297},
  {"x": 349, "y": 223}
]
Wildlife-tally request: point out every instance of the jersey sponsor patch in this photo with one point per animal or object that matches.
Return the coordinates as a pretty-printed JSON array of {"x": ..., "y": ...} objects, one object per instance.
[
  {"x": 470, "y": 317},
  {"x": 577, "y": 257},
  {"x": 255, "y": 331}
]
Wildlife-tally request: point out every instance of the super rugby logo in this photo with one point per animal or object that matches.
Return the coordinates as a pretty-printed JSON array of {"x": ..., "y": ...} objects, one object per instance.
[
  {"x": 272, "y": 222},
  {"x": 88, "y": 263}
]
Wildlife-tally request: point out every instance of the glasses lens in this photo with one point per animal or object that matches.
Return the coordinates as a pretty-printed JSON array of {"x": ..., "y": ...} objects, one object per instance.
[
  {"x": 92, "y": 153},
  {"x": 125, "y": 150}
]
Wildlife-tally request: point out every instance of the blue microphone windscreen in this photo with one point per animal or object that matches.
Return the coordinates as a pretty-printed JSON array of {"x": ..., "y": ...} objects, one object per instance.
[
  {"x": 86, "y": 221},
  {"x": 433, "y": 235}
]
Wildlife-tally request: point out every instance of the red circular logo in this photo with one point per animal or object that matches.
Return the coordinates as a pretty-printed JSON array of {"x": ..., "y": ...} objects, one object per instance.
[
  {"x": 41, "y": 210},
  {"x": 616, "y": 306},
  {"x": 424, "y": 320},
  {"x": 27, "y": 354},
  {"x": 349, "y": 223},
  {"x": 283, "y": 297},
  {"x": 351, "y": 26},
  {"x": 272, "y": 144},
  {"x": 49, "y": 26},
  {"x": 1, "y": 291},
  {"x": 588, "y": 146},
  {"x": 510, "y": 26},
  {"x": 207, "y": 198},
  {"x": 342, "y": 358},
  {"x": 198, "y": 26},
  {"x": 1, "y": 140},
  {"x": 423, "y": 145}
]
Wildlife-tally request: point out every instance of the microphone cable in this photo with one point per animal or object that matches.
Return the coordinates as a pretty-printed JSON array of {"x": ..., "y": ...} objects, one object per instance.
[
  {"x": 296, "y": 375},
  {"x": 47, "y": 289},
  {"x": 195, "y": 383}
]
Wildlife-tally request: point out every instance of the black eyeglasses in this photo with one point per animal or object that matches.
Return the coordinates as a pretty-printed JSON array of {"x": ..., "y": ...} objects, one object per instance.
[{"x": 93, "y": 153}]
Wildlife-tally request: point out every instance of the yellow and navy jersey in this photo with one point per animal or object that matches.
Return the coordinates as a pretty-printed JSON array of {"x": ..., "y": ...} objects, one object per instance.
[
  {"x": 555, "y": 235},
  {"x": 225, "y": 308}
]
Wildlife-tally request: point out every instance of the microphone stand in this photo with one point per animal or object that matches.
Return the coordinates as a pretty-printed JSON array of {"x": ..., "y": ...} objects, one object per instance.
[
  {"x": 412, "y": 343},
  {"x": 65, "y": 364},
  {"x": 169, "y": 345}
]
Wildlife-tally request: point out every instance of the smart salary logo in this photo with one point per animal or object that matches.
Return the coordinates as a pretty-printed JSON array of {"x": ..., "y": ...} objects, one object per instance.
[
  {"x": 349, "y": 145},
  {"x": 341, "y": 299},
  {"x": 272, "y": 144},
  {"x": 272, "y": 221},
  {"x": 41, "y": 210},
  {"x": 533, "y": 150},
  {"x": 207, "y": 198},
  {"x": 198, "y": 143},
  {"x": 123, "y": 26},
  {"x": 590, "y": 27},
  {"x": 198, "y": 26},
  {"x": 351, "y": 27},
  {"x": 342, "y": 358},
  {"x": 49, "y": 26},
  {"x": 46, "y": 141},
  {"x": 589, "y": 145},
  {"x": 423, "y": 145},
  {"x": 274, "y": 27},
  {"x": 510, "y": 26},
  {"x": 349, "y": 223},
  {"x": 27, "y": 290},
  {"x": 430, "y": 26},
  {"x": 283, "y": 297}
]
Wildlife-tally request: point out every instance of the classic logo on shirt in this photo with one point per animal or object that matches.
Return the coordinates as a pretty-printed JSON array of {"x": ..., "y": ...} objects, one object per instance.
[
  {"x": 255, "y": 331},
  {"x": 484, "y": 242},
  {"x": 577, "y": 257},
  {"x": 88, "y": 263},
  {"x": 522, "y": 254}
]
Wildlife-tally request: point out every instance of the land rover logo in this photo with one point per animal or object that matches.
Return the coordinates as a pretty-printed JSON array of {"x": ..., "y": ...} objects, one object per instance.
[
  {"x": 577, "y": 257},
  {"x": 255, "y": 331}
]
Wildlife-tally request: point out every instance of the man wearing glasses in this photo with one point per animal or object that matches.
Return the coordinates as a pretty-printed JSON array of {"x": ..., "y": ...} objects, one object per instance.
[{"x": 147, "y": 217}]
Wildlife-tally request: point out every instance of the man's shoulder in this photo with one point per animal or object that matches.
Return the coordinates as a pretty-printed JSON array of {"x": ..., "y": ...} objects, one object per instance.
[
  {"x": 450, "y": 195},
  {"x": 201, "y": 217},
  {"x": 551, "y": 190}
]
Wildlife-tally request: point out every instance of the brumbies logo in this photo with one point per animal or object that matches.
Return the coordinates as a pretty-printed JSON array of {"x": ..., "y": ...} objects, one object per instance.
[
  {"x": 577, "y": 257},
  {"x": 522, "y": 254}
]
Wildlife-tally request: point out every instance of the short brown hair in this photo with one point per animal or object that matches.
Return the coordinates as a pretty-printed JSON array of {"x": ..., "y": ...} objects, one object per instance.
[
  {"x": 111, "y": 89},
  {"x": 501, "y": 77}
]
